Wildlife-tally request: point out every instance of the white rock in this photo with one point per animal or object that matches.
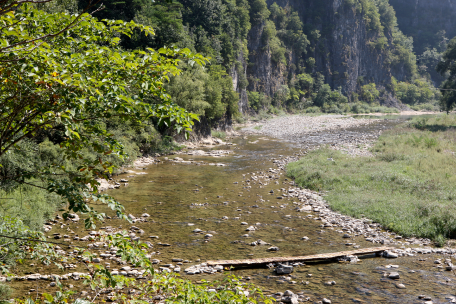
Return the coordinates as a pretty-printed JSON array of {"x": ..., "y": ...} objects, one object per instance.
[
  {"x": 390, "y": 255},
  {"x": 394, "y": 275}
]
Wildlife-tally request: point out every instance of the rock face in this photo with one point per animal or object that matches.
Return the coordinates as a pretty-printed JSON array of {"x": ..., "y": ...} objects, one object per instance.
[
  {"x": 239, "y": 73},
  {"x": 344, "y": 53},
  {"x": 264, "y": 74},
  {"x": 428, "y": 22},
  {"x": 420, "y": 18}
]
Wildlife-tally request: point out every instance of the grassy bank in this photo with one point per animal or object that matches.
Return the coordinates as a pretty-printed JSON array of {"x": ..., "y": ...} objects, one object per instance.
[{"x": 407, "y": 186}]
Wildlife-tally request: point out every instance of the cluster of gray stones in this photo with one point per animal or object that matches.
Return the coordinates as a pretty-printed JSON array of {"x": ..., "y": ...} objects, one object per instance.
[
  {"x": 203, "y": 268},
  {"x": 296, "y": 126},
  {"x": 212, "y": 153},
  {"x": 294, "y": 298},
  {"x": 75, "y": 218}
]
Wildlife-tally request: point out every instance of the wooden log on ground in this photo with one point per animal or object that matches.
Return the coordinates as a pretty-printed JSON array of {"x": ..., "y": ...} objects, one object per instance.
[{"x": 315, "y": 257}]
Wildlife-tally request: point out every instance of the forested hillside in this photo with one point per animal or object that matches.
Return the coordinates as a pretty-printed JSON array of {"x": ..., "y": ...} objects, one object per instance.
[{"x": 331, "y": 56}]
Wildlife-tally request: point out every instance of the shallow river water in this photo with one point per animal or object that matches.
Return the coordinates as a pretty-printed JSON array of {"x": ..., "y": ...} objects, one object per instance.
[{"x": 182, "y": 197}]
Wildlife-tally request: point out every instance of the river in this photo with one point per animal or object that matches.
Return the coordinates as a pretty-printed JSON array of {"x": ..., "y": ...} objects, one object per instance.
[{"x": 218, "y": 200}]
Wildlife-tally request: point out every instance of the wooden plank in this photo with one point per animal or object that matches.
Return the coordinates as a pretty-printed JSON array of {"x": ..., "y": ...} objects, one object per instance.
[{"x": 315, "y": 257}]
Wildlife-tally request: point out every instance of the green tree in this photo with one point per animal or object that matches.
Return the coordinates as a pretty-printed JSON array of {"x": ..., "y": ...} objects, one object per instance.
[
  {"x": 325, "y": 98},
  {"x": 369, "y": 92},
  {"x": 205, "y": 13},
  {"x": 281, "y": 96},
  {"x": 165, "y": 18},
  {"x": 258, "y": 101},
  {"x": 207, "y": 92},
  {"x": 418, "y": 92},
  {"x": 258, "y": 11},
  {"x": 306, "y": 83},
  {"x": 188, "y": 90},
  {"x": 448, "y": 67},
  {"x": 387, "y": 14},
  {"x": 61, "y": 71}
]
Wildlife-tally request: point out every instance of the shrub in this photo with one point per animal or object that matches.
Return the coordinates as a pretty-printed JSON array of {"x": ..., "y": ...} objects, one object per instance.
[
  {"x": 369, "y": 92},
  {"x": 313, "y": 109}
]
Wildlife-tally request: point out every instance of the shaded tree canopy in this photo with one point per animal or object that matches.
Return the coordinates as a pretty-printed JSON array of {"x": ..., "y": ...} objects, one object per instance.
[
  {"x": 447, "y": 67},
  {"x": 68, "y": 72}
]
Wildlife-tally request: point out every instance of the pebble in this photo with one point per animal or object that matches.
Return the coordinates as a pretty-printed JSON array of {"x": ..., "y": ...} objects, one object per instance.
[
  {"x": 284, "y": 269},
  {"x": 394, "y": 275},
  {"x": 390, "y": 255}
]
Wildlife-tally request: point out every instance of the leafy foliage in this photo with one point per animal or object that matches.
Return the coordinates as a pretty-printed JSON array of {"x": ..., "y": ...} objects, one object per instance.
[
  {"x": 369, "y": 92},
  {"x": 416, "y": 92},
  {"x": 67, "y": 72},
  {"x": 326, "y": 98},
  {"x": 448, "y": 66},
  {"x": 258, "y": 101},
  {"x": 258, "y": 11},
  {"x": 18, "y": 243},
  {"x": 205, "y": 92}
]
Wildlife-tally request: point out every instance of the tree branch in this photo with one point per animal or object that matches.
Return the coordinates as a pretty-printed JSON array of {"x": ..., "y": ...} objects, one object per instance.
[
  {"x": 72, "y": 24},
  {"x": 18, "y": 3}
]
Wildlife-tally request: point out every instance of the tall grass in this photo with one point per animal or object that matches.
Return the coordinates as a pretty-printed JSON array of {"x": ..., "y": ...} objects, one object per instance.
[{"x": 408, "y": 186}]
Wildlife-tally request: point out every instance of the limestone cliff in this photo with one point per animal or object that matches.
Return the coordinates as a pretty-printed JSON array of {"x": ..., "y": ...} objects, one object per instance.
[
  {"x": 422, "y": 19},
  {"x": 345, "y": 53},
  {"x": 431, "y": 24}
]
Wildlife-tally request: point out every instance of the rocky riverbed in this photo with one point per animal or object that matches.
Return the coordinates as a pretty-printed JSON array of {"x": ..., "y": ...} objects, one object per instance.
[
  {"x": 190, "y": 214},
  {"x": 353, "y": 136},
  {"x": 294, "y": 127}
]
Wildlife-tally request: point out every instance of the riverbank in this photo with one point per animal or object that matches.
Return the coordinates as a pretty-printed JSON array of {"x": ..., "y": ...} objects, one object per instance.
[{"x": 407, "y": 184}]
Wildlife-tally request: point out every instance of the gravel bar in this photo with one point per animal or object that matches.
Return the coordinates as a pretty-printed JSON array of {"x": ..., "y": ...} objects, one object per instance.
[{"x": 295, "y": 126}]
